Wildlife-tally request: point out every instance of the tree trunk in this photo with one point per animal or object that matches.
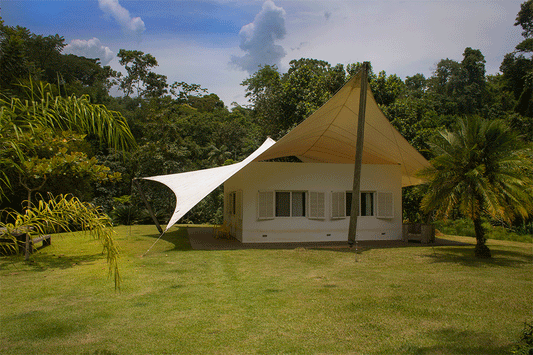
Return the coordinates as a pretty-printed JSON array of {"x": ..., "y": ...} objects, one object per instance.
[{"x": 481, "y": 251}]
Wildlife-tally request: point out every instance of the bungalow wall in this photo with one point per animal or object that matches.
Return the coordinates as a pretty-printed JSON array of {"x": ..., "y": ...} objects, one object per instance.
[{"x": 259, "y": 198}]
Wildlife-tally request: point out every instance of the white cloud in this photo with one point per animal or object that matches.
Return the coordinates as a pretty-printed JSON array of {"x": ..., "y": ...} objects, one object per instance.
[
  {"x": 133, "y": 26},
  {"x": 257, "y": 39},
  {"x": 402, "y": 37},
  {"x": 92, "y": 48}
]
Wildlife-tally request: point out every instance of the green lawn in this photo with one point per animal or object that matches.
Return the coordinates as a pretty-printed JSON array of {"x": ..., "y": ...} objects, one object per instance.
[{"x": 416, "y": 300}]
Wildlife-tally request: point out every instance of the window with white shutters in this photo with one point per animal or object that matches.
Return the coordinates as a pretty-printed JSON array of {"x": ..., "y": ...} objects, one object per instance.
[{"x": 273, "y": 204}]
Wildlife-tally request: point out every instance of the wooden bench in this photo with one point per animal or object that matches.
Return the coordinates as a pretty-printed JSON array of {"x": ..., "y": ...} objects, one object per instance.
[
  {"x": 14, "y": 243},
  {"x": 424, "y": 233},
  {"x": 45, "y": 239},
  {"x": 18, "y": 242}
]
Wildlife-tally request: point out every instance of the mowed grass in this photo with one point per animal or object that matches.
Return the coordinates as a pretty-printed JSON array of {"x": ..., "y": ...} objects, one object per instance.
[{"x": 175, "y": 300}]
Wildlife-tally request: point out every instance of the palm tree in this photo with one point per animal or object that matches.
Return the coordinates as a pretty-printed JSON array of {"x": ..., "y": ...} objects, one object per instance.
[{"x": 481, "y": 169}]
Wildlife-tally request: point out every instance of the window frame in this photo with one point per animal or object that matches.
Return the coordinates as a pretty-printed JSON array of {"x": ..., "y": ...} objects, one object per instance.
[
  {"x": 382, "y": 204},
  {"x": 361, "y": 194},
  {"x": 267, "y": 204},
  {"x": 291, "y": 192}
]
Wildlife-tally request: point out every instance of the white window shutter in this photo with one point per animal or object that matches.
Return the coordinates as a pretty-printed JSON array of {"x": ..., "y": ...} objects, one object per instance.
[
  {"x": 385, "y": 206},
  {"x": 238, "y": 209},
  {"x": 317, "y": 205},
  {"x": 229, "y": 207},
  {"x": 338, "y": 204},
  {"x": 321, "y": 201},
  {"x": 238, "y": 203},
  {"x": 265, "y": 208}
]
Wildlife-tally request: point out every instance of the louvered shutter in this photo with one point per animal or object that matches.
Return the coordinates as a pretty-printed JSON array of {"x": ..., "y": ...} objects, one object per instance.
[
  {"x": 385, "y": 206},
  {"x": 317, "y": 205},
  {"x": 338, "y": 204},
  {"x": 265, "y": 208},
  {"x": 238, "y": 208},
  {"x": 229, "y": 207}
]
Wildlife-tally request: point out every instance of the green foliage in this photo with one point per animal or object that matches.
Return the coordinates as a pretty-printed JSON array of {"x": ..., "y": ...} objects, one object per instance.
[
  {"x": 283, "y": 101},
  {"x": 525, "y": 345},
  {"x": 45, "y": 109},
  {"x": 42, "y": 141},
  {"x": 465, "y": 227},
  {"x": 62, "y": 213},
  {"x": 481, "y": 169},
  {"x": 27, "y": 56},
  {"x": 524, "y": 18},
  {"x": 462, "y": 227},
  {"x": 126, "y": 215}
]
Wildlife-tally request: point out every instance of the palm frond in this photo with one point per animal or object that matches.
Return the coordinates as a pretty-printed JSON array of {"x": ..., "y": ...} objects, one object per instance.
[
  {"x": 60, "y": 213},
  {"x": 481, "y": 167}
]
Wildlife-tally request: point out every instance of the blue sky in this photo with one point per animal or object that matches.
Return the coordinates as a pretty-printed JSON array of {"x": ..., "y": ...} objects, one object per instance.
[{"x": 219, "y": 43}]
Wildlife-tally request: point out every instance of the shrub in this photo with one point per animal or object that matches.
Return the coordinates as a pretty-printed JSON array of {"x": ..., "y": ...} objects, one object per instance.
[{"x": 525, "y": 345}]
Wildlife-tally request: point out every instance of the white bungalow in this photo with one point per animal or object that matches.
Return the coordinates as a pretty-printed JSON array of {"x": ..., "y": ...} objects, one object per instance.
[
  {"x": 308, "y": 201},
  {"x": 294, "y": 202}
]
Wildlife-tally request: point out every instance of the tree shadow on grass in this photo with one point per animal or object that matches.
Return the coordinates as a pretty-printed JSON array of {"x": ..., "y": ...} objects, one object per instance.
[
  {"x": 44, "y": 262},
  {"x": 465, "y": 256},
  {"x": 456, "y": 341},
  {"x": 178, "y": 238}
]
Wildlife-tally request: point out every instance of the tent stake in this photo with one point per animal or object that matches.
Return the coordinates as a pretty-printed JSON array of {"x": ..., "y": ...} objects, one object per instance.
[
  {"x": 358, "y": 158},
  {"x": 148, "y": 207}
]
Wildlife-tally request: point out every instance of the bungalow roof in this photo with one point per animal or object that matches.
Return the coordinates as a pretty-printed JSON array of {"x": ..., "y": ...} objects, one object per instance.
[{"x": 329, "y": 135}]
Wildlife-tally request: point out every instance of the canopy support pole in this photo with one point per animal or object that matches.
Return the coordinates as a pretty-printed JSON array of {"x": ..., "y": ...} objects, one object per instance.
[
  {"x": 148, "y": 207},
  {"x": 358, "y": 156}
]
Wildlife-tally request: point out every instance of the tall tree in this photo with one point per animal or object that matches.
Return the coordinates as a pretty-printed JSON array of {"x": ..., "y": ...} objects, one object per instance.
[
  {"x": 264, "y": 90},
  {"x": 458, "y": 88},
  {"x": 482, "y": 169},
  {"x": 474, "y": 88},
  {"x": 282, "y": 101},
  {"x": 26, "y": 55},
  {"x": 140, "y": 78},
  {"x": 517, "y": 67}
]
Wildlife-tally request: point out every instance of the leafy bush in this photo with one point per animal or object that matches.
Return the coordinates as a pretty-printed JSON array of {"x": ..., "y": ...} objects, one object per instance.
[
  {"x": 525, "y": 345},
  {"x": 465, "y": 227},
  {"x": 126, "y": 215},
  {"x": 462, "y": 227}
]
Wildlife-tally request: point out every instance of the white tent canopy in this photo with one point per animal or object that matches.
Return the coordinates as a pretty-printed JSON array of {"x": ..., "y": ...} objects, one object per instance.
[
  {"x": 191, "y": 187},
  {"x": 327, "y": 136}
]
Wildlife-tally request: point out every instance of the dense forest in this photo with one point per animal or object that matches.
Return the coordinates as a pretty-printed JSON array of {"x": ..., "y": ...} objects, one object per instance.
[{"x": 176, "y": 127}]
